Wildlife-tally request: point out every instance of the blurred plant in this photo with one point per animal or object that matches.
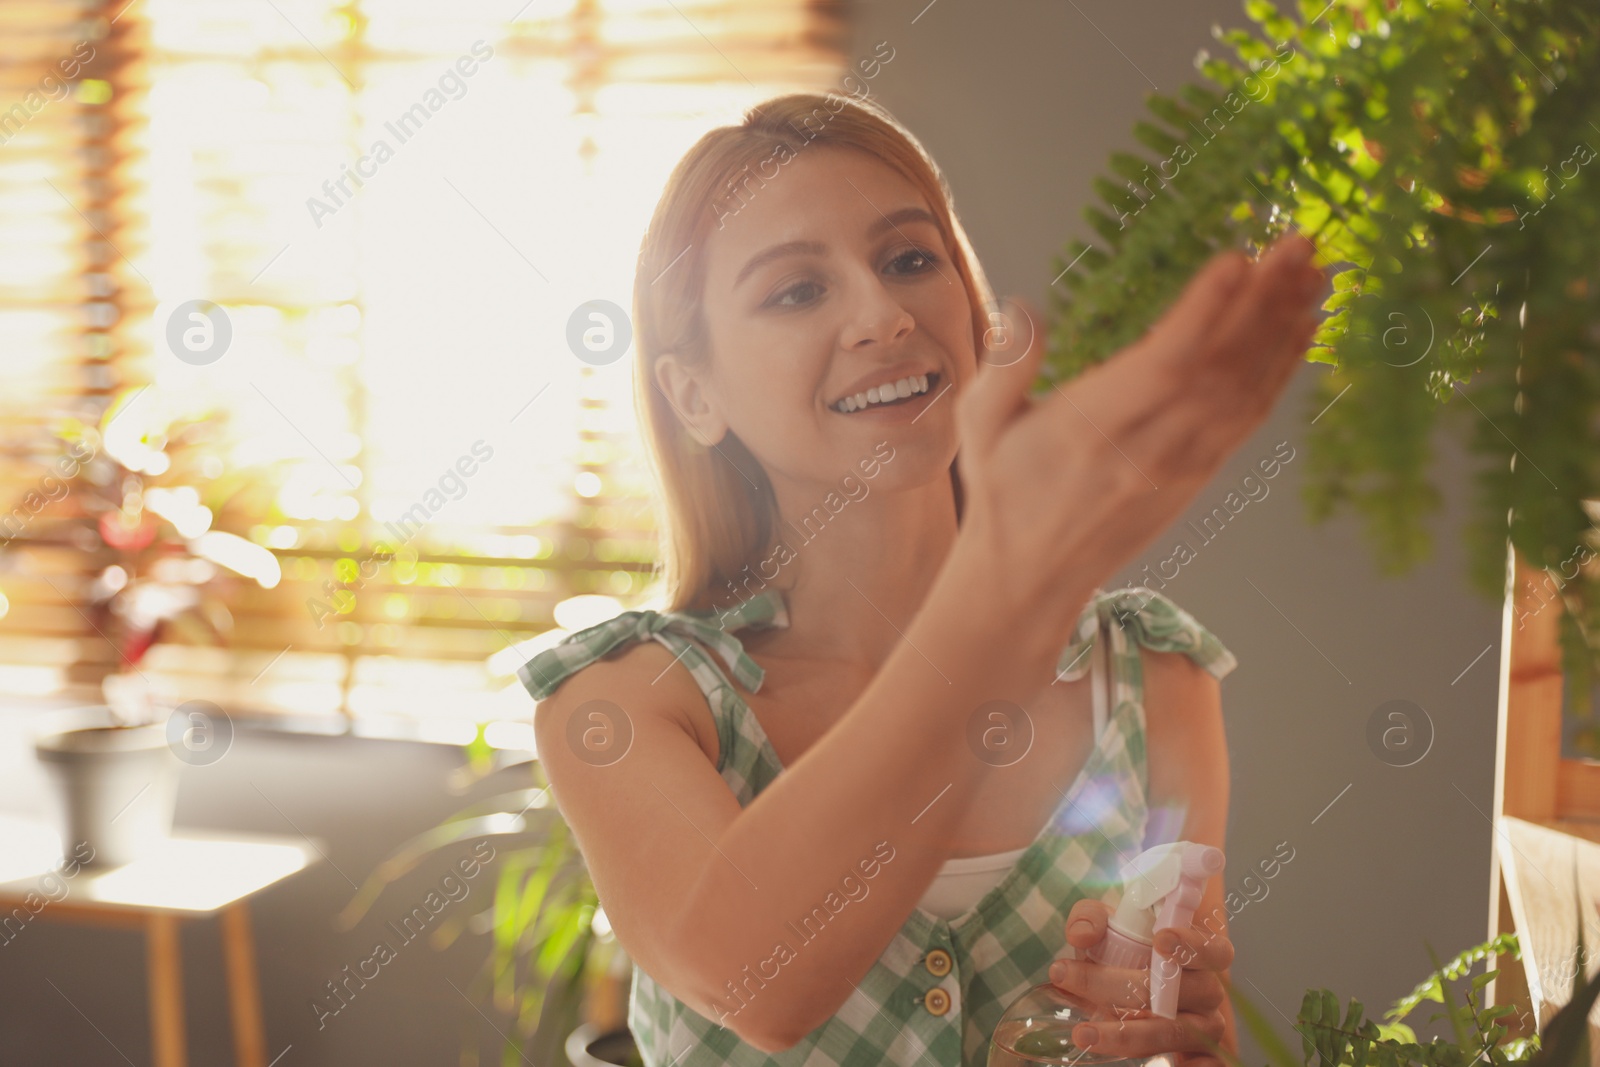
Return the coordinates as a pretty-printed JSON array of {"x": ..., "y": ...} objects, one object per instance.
[
  {"x": 1479, "y": 1032},
  {"x": 550, "y": 947},
  {"x": 1437, "y": 149},
  {"x": 141, "y": 492}
]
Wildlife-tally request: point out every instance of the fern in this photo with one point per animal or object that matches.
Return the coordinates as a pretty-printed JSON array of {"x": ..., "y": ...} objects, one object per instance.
[{"x": 1441, "y": 153}]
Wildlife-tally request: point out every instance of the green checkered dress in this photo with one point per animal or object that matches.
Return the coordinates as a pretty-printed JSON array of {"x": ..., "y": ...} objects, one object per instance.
[{"x": 1001, "y": 946}]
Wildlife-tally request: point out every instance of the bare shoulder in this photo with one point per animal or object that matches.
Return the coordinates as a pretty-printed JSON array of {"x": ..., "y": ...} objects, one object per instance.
[
  {"x": 1186, "y": 747},
  {"x": 1175, "y": 674},
  {"x": 629, "y": 748},
  {"x": 641, "y": 683}
]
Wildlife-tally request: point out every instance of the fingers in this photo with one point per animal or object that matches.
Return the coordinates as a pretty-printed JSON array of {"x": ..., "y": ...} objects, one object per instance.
[
  {"x": 1129, "y": 988},
  {"x": 1201, "y": 991},
  {"x": 1254, "y": 343},
  {"x": 1195, "y": 949},
  {"x": 1086, "y": 922},
  {"x": 1271, "y": 309},
  {"x": 1130, "y": 1037},
  {"x": 1204, "y": 299},
  {"x": 1106, "y": 987},
  {"x": 1190, "y": 948},
  {"x": 1228, "y": 345},
  {"x": 1008, "y": 363}
]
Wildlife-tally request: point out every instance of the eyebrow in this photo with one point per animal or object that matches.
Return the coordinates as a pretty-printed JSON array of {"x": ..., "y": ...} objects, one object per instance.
[{"x": 891, "y": 221}]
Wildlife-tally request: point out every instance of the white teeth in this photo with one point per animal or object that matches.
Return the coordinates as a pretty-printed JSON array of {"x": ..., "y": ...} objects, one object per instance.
[{"x": 879, "y": 394}]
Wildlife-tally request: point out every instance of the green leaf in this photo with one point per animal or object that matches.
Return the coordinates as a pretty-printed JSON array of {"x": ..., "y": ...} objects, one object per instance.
[
  {"x": 1169, "y": 111},
  {"x": 1109, "y": 229},
  {"x": 574, "y": 924},
  {"x": 1449, "y": 1002},
  {"x": 478, "y": 750},
  {"x": 1202, "y": 100},
  {"x": 1114, "y": 196},
  {"x": 1396, "y": 1032},
  {"x": 1156, "y": 139},
  {"x": 1349, "y": 279},
  {"x": 1260, "y": 10},
  {"x": 1428, "y": 988},
  {"x": 1129, "y": 166}
]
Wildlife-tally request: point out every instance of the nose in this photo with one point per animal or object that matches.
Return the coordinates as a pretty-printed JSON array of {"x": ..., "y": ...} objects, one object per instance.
[{"x": 875, "y": 318}]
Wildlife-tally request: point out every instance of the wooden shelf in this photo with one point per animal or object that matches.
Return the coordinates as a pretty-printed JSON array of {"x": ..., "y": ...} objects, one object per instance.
[{"x": 1535, "y": 785}]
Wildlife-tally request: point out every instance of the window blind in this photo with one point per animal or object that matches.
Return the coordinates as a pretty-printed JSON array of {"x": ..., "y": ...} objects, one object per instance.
[{"x": 388, "y": 213}]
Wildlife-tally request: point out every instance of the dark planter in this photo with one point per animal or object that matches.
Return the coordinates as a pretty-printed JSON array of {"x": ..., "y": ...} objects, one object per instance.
[
  {"x": 117, "y": 786},
  {"x": 586, "y": 1047}
]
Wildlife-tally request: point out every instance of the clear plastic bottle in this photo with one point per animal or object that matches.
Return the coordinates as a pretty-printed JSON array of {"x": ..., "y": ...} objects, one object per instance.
[{"x": 1160, "y": 890}]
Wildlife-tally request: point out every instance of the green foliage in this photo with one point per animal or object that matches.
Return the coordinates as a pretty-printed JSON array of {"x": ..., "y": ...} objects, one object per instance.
[
  {"x": 543, "y": 944},
  {"x": 1439, "y": 153},
  {"x": 1479, "y": 1034},
  {"x": 1329, "y": 1040}
]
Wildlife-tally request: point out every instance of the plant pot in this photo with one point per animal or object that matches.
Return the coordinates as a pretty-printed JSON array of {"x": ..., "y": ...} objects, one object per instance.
[
  {"x": 587, "y": 1047},
  {"x": 117, "y": 785}
]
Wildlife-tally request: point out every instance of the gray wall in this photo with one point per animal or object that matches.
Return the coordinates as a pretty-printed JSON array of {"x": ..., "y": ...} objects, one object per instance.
[{"x": 1021, "y": 103}]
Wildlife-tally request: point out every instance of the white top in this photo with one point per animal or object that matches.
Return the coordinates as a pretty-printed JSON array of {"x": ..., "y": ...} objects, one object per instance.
[{"x": 963, "y": 881}]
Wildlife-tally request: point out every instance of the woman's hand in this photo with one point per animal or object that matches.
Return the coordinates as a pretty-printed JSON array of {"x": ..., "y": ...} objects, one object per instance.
[
  {"x": 1061, "y": 492},
  {"x": 1125, "y": 1027}
]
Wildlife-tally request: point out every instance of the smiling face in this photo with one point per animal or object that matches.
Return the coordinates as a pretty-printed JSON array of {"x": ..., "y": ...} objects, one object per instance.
[{"x": 836, "y": 320}]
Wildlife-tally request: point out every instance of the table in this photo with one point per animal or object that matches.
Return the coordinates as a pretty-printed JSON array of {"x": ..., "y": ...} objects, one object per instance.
[{"x": 192, "y": 875}]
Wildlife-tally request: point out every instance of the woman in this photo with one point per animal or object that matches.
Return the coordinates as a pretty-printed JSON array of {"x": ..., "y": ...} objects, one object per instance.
[{"x": 881, "y": 573}]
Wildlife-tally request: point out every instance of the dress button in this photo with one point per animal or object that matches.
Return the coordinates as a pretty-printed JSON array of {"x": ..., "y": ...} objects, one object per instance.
[
  {"x": 938, "y": 962},
  {"x": 936, "y": 1001}
]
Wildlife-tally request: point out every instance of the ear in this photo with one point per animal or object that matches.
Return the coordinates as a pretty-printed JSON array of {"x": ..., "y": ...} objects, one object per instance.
[{"x": 692, "y": 399}]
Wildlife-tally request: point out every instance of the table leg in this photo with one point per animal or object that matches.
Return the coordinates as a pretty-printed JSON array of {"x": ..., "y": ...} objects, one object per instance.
[
  {"x": 244, "y": 993},
  {"x": 164, "y": 969}
]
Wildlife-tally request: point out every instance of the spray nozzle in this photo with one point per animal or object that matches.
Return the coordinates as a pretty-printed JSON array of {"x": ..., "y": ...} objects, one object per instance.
[{"x": 1161, "y": 890}]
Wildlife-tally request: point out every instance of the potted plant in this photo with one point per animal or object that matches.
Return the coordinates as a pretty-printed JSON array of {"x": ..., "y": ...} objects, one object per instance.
[
  {"x": 1441, "y": 151},
  {"x": 126, "y": 489},
  {"x": 553, "y": 964}
]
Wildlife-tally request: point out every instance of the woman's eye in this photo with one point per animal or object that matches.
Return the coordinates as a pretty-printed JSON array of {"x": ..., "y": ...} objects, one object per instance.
[
  {"x": 913, "y": 261},
  {"x": 795, "y": 295}
]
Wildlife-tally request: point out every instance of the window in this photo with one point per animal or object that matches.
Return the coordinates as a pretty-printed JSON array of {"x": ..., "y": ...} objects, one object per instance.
[{"x": 388, "y": 213}]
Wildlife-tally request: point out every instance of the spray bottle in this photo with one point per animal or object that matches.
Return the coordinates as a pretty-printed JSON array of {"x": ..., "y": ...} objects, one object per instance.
[{"x": 1162, "y": 887}]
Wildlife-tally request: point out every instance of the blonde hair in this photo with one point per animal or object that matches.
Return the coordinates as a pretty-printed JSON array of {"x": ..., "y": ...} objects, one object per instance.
[{"x": 716, "y": 524}]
